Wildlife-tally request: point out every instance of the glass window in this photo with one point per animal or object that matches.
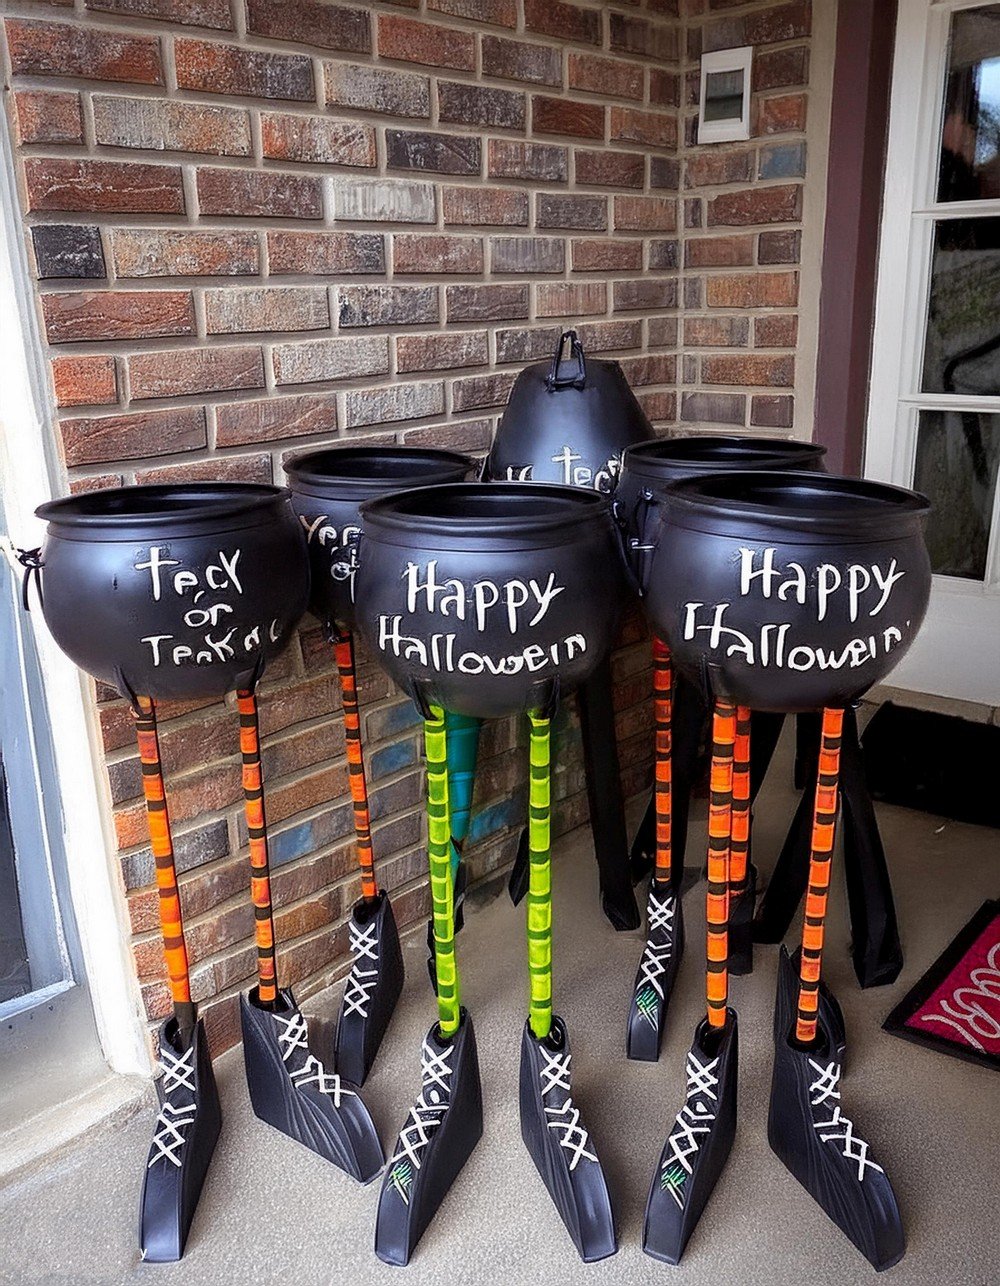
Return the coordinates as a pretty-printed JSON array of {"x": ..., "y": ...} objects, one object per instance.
[
  {"x": 956, "y": 467},
  {"x": 970, "y": 131},
  {"x": 962, "y": 348}
]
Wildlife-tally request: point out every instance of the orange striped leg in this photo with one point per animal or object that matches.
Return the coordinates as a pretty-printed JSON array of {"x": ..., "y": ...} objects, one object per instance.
[
  {"x": 663, "y": 682},
  {"x": 171, "y": 922},
  {"x": 820, "y": 861},
  {"x": 739, "y": 848},
  {"x": 260, "y": 875},
  {"x": 344, "y": 651},
  {"x": 719, "y": 834}
]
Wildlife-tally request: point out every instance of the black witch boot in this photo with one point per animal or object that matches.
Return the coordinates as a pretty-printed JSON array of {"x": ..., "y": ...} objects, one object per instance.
[
  {"x": 373, "y": 986},
  {"x": 741, "y": 905},
  {"x": 440, "y": 1132},
  {"x": 184, "y": 1139},
  {"x": 560, "y": 1146},
  {"x": 698, "y": 1144},
  {"x": 819, "y": 1145},
  {"x": 291, "y": 1090},
  {"x": 786, "y": 1000},
  {"x": 657, "y": 973}
]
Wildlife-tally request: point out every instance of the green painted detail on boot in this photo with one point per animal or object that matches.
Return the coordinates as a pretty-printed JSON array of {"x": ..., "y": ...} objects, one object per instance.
[
  {"x": 401, "y": 1178},
  {"x": 646, "y": 1002},
  {"x": 539, "y": 879},
  {"x": 438, "y": 858}
]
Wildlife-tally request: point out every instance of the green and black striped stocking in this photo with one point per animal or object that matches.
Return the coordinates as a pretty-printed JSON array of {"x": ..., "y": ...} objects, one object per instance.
[
  {"x": 540, "y": 879},
  {"x": 439, "y": 860}
]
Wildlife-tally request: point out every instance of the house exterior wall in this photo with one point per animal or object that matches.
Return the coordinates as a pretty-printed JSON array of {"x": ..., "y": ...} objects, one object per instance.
[{"x": 257, "y": 226}]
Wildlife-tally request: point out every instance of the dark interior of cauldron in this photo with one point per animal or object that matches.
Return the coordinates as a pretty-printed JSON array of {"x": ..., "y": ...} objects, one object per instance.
[
  {"x": 373, "y": 464},
  {"x": 150, "y": 502},
  {"x": 722, "y": 449},
  {"x": 493, "y": 503},
  {"x": 805, "y": 494}
]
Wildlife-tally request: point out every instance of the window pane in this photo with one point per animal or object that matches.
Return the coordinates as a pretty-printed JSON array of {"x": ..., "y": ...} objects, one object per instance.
[
  {"x": 970, "y": 132},
  {"x": 956, "y": 467},
  {"x": 962, "y": 348}
]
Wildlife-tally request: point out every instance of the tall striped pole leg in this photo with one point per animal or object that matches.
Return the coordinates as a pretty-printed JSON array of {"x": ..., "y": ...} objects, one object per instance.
[
  {"x": 719, "y": 839},
  {"x": 439, "y": 860},
  {"x": 540, "y": 877},
  {"x": 260, "y": 874},
  {"x": 742, "y": 876},
  {"x": 820, "y": 862},
  {"x": 171, "y": 921},
  {"x": 344, "y": 652},
  {"x": 663, "y": 683}
]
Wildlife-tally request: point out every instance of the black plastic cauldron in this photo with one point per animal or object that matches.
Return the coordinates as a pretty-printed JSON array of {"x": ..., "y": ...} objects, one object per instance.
[
  {"x": 328, "y": 487},
  {"x": 788, "y": 591},
  {"x": 488, "y": 599},
  {"x": 567, "y": 421},
  {"x": 174, "y": 592},
  {"x": 649, "y": 468}
]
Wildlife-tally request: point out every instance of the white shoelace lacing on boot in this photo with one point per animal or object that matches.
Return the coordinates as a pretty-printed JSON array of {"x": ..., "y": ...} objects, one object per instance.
[
  {"x": 292, "y": 1037},
  {"x": 565, "y": 1116},
  {"x": 361, "y": 981},
  {"x": 825, "y": 1089},
  {"x": 693, "y": 1120}
]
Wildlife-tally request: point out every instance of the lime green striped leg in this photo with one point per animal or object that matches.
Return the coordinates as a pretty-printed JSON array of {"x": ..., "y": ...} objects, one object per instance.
[
  {"x": 439, "y": 859},
  {"x": 539, "y": 879}
]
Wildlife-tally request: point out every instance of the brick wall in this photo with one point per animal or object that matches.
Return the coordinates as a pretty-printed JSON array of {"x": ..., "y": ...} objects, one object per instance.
[{"x": 260, "y": 225}]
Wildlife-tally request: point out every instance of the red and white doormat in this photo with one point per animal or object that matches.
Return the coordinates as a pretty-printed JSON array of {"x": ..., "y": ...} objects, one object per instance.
[{"x": 955, "y": 1007}]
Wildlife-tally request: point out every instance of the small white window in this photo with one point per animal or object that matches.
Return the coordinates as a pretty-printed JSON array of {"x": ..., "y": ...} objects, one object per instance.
[{"x": 724, "y": 103}]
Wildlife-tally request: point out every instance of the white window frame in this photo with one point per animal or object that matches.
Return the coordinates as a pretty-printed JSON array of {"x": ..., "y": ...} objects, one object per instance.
[
  {"x": 720, "y": 60},
  {"x": 957, "y": 653}
]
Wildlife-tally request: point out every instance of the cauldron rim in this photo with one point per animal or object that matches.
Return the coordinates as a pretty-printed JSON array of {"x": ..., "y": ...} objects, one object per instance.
[
  {"x": 693, "y": 451},
  {"x": 307, "y": 475},
  {"x": 867, "y": 507},
  {"x": 183, "y": 508}
]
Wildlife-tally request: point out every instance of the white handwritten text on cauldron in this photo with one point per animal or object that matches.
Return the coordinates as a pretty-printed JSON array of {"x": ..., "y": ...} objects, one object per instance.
[
  {"x": 514, "y": 605},
  {"x": 864, "y": 588},
  {"x": 213, "y": 642}
]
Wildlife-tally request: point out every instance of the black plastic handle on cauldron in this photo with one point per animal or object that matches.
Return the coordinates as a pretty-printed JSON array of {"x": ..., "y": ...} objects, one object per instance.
[
  {"x": 31, "y": 561},
  {"x": 554, "y": 380}
]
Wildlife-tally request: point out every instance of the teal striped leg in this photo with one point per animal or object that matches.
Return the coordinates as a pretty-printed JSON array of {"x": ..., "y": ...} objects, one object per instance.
[
  {"x": 438, "y": 857},
  {"x": 540, "y": 879},
  {"x": 463, "y": 748}
]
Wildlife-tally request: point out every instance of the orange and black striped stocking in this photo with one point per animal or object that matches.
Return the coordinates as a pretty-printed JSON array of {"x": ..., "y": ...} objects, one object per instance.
[
  {"x": 663, "y": 682},
  {"x": 344, "y": 651},
  {"x": 719, "y": 837},
  {"x": 820, "y": 860},
  {"x": 739, "y": 847},
  {"x": 171, "y": 922},
  {"x": 260, "y": 875}
]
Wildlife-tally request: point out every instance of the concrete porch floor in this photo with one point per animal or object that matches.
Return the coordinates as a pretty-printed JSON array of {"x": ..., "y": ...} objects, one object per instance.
[{"x": 273, "y": 1212}]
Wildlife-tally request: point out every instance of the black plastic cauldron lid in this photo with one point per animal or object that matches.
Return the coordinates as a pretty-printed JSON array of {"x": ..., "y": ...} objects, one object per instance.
[
  {"x": 125, "y": 509},
  {"x": 486, "y": 509},
  {"x": 361, "y": 467},
  {"x": 824, "y": 503},
  {"x": 703, "y": 450}
]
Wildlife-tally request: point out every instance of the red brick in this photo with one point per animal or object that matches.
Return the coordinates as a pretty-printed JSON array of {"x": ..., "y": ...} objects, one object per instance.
[
  {"x": 421, "y": 42},
  {"x": 473, "y": 436},
  {"x": 611, "y": 336},
  {"x": 517, "y": 60},
  {"x": 718, "y": 252},
  {"x": 664, "y": 87},
  {"x": 776, "y": 68},
  {"x": 749, "y": 369},
  {"x": 84, "y": 381},
  {"x": 481, "y": 390},
  {"x": 527, "y": 254},
  {"x": 573, "y": 210},
  {"x": 438, "y": 153},
  {"x": 273, "y": 418},
  {"x": 654, "y": 129},
  {"x": 325, "y": 253},
  {"x": 713, "y": 408},
  {"x": 564, "y": 21},
  {"x": 498, "y": 13},
  {"x": 192, "y": 13},
  {"x": 564, "y": 116},
  {"x": 276, "y": 308},
  {"x": 390, "y": 405},
  {"x": 110, "y": 187},
  {"x": 632, "y": 35},
  {"x": 463, "y": 104},
  {"x": 386, "y": 305},
  {"x": 129, "y": 437},
  {"x": 308, "y": 361},
  {"x": 375, "y": 89},
  {"x": 779, "y": 22},
  {"x": 779, "y": 247},
  {"x": 609, "y": 77},
  {"x": 612, "y": 169},
  {"x": 152, "y": 252},
  {"x": 441, "y": 351},
  {"x": 486, "y": 303},
  {"x": 651, "y": 368},
  {"x": 513, "y": 159},
  {"x": 775, "y": 332},
  {"x": 287, "y": 136},
  {"x": 258, "y": 194},
  {"x": 662, "y": 332},
  {"x": 427, "y": 253},
  {"x": 753, "y": 290},
  {"x": 645, "y": 213},
  {"x": 329, "y": 26},
  {"x": 757, "y": 205},
  {"x": 716, "y": 332},
  {"x": 570, "y": 298},
  {"x": 47, "y": 117},
  {"x": 487, "y": 206},
  {"x": 645, "y": 294},
  {"x": 772, "y": 412},
  {"x": 183, "y": 371},
  {"x": 714, "y": 167},
  {"x": 116, "y": 314},
  {"x": 162, "y": 124},
  {"x": 783, "y": 114},
  {"x": 215, "y": 68},
  {"x": 607, "y": 255},
  {"x": 96, "y": 53}
]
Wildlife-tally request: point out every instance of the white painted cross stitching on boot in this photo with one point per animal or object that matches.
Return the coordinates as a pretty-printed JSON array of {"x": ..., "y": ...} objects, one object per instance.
[
  {"x": 178, "y": 1073},
  {"x": 428, "y": 1111},
  {"x": 651, "y": 966},
  {"x": 312, "y": 1071},
  {"x": 660, "y": 914},
  {"x": 361, "y": 982},
  {"x": 167, "y": 1137},
  {"x": 825, "y": 1088},
  {"x": 555, "y": 1073},
  {"x": 694, "y": 1118},
  {"x": 574, "y": 1137}
]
